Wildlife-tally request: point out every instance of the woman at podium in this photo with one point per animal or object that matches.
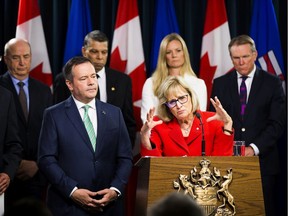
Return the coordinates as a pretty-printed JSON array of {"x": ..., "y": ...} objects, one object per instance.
[{"x": 181, "y": 129}]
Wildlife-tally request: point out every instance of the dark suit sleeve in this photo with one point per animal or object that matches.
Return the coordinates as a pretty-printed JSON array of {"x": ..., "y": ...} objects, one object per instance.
[
  {"x": 124, "y": 157},
  {"x": 215, "y": 92},
  {"x": 12, "y": 150},
  {"x": 48, "y": 156},
  {"x": 60, "y": 89},
  {"x": 40, "y": 98},
  {"x": 275, "y": 120},
  {"x": 128, "y": 112}
]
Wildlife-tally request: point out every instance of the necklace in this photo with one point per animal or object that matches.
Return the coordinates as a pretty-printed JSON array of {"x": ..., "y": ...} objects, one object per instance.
[{"x": 186, "y": 130}]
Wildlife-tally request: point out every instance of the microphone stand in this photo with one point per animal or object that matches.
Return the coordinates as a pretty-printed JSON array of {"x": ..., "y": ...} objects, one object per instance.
[{"x": 203, "y": 138}]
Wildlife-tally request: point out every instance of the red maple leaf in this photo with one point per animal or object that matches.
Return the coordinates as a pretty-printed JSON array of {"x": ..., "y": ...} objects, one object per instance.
[
  {"x": 116, "y": 62},
  {"x": 207, "y": 72},
  {"x": 37, "y": 73}
]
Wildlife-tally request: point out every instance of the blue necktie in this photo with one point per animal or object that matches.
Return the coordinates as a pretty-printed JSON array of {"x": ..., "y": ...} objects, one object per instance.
[
  {"x": 89, "y": 127},
  {"x": 243, "y": 95}
]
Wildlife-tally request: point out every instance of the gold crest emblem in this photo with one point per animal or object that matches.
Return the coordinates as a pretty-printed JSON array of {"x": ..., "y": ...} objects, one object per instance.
[{"x": 208, "y": 188}]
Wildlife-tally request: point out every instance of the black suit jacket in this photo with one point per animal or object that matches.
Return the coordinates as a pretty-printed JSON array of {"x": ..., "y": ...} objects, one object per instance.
[
  {"x": 40, "y": 97},
  {"x": 265, "y": 115},
  {"x": 10, "y": 147},
  {"x": 119, "y": 93}
]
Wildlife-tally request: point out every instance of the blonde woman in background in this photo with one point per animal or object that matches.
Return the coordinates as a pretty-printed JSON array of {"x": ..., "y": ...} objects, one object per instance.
[{"x": 174, "y": 60}]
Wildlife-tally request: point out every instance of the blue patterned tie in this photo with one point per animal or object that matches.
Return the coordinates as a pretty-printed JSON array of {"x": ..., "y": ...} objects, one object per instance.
[
  {"x": 243, "y": 95},
  {"x": 89, "y": 126}
]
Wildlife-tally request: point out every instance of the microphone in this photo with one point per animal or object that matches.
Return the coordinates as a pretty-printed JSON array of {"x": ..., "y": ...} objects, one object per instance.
[{"x": 203, "y": 138}]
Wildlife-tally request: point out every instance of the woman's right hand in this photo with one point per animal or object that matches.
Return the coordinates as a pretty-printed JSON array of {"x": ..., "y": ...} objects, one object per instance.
[{"x": 146, "y": 129}]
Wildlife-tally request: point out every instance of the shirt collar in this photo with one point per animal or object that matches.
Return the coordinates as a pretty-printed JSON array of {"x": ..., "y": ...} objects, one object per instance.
[
  {"x": 15, "y": 81},
  {"x": 251, "y": 74},
  {"x": 79, "y": 104},
  {"x": 101, "y": 72}
]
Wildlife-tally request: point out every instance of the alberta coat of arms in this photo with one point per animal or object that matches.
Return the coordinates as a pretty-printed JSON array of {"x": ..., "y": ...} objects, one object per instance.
[{"x": 208, "y": 188}]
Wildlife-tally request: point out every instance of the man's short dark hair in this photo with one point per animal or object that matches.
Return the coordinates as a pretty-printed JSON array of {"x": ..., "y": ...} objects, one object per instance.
[
  {"x": 95, "y": 35},
  {"x": 68, "y": 67}
]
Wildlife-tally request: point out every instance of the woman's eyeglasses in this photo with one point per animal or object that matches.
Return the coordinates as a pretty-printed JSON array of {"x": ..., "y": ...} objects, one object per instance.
[{"x": 172, "y": 103}]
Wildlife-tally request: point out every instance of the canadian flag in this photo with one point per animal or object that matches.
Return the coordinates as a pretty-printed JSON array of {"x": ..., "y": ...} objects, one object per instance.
[
  {"x": 215, "y": 59},
  {"x": 29, "y": 27},
  {"x": 127, "y": 53}
]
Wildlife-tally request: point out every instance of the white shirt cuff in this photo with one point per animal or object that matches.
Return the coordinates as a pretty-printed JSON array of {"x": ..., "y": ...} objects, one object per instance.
[
  {"x": 255, "y": 148},
  {"x": 75, "y": 188},
  {"x": 118, "y": 192}
]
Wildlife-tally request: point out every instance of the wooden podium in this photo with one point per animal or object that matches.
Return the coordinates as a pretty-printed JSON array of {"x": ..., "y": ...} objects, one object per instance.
[{"x": 157, "y": 174}]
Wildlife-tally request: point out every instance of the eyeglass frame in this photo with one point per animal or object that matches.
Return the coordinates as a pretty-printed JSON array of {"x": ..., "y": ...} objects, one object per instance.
[{"x": 176, "y": 100}]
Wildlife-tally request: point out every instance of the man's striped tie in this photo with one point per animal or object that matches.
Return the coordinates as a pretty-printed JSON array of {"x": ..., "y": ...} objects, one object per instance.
[{"x": 89, "y": 126}]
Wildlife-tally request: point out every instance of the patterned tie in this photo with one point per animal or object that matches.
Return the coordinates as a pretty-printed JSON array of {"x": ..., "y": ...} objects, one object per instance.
[
  {"x": 243, "y": 95},
  {"x": 23, "y": 99},
  {"x": 89, "y": 126},
  {"x": 98, "y": 92}
]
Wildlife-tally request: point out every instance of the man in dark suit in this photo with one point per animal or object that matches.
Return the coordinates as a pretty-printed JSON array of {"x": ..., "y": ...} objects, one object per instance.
[
  {"x": 259, "y": 119},
  {"x": 115, "y": 87},
  {"x": 17, "y": 56},
  {"x": 85, "y": 177},
  {"x": 10, "y": 147}
]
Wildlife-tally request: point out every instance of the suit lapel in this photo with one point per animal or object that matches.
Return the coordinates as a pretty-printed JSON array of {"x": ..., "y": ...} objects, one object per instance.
[
  {"x": 102, "y": 124},
  {"x": 234, "y": 94},
  {"x": 110, "y": 85},
  {"x": 255, "y": 86},
  {"x": 7, "y": 82},
  {"x": 195, "y": 131},
  {"x": 176, "y": 135},
  {"x": 75, "y": 118},
  {"x": 32, "y": 97}
]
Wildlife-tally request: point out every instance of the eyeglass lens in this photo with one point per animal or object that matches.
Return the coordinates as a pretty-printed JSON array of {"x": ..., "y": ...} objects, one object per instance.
[{"x": 182, "y": 99}]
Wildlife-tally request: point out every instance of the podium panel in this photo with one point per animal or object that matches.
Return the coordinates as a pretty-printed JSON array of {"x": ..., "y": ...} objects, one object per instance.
[{"x": 157, "y": 177}]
